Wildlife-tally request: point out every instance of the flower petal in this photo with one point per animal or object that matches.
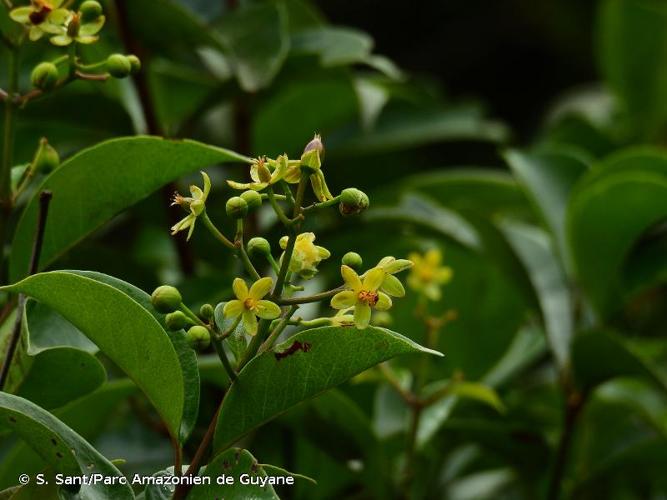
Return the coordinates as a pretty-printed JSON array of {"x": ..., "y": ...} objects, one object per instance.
[
  {"x": 281, "y": 169},
  {"x": 266, "y": 309},
  {"x": 350, "y": 277},
  {"x": 232, "y": 309},
  {"x": 362, "y": 315},
  {"x": 384, "y": 302},
  {"x": 433, "y": 257},
  {"x": 392, "y": 286},
  {"x": 374, "y": 279},
  {"x": 92, "y": 27},
  {"x": 343, "y": 300},
  {"x": 60, "y": 40},
  {"x": 35, "y": 33},
  {"x": 398, "y": 265},
  {"x": 293, "y": 174},
  {"x": 249, "y": 322},
  {"x": 444, "y": 275},
  {"x": 240, "y": 289},
  {"x": 21, "y": 14},
  {"x": 260, "y": 288},
  {"x": 87, "y": 39},
  {"x": 323, "y": 252},
  {"x": 207, "y": 184}
]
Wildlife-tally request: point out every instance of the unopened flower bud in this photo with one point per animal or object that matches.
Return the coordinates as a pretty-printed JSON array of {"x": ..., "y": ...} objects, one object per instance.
[
  {"x": 206, "y": 311},
  {"x": 198, "y": 337},
  {"x": 176, "y": 320},
  {"x": 118, "y": 66},
  {"x": 283, "y": 242},
  {"x": 313, "y": 154},
  {"x": 44, "y": 76},
  {"x": 252, "y": 198},
  {"x": 74, "y": 26},
  {"x": 259, "y": 246},
  {"x": 353, "y": 201},
  {"x": 166, "y": 299},
  {"x": 46, "y": 158},
  {"x": 236, "y": 207},
  {"x": 353, "y": 259},
  {"x": 135, "y": 63},
  {"x": 90, "y": 10}
]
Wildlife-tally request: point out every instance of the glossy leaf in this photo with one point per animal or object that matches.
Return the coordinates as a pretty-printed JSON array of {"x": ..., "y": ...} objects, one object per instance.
[
  {"x": 535, "y": 250},
  {"x": 63, "y": 449},
  {"x": 123, "y": 330},
  {"x": 300, "y": 368},
  {"x": 547, "y": 177},
  {"x": 96, "y": 184},
  {"x": 334, "y": 46},
  {"x": 610, "y": 209},
  {"x": 186, "y": 355},
  {"x": 234, "y": 462},
  {"x": 256, "y": 39}
]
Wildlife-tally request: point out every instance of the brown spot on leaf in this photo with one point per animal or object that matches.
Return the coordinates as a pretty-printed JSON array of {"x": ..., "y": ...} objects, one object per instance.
[{"x": 295, "y": 347}]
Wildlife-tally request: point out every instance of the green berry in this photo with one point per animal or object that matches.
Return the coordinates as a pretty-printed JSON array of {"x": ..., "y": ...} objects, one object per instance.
[
  {"x": 166, "y": 299},
  {"x": 119, "y": 66},
  {"x": 44, "y": 76},
  {"x": 198, "y": 337},
  {"x": 206, "y": 311},
  {"x": 46, "y": 158},
  {"x": 236, "y": 207},
  {"x": 259, "y": 246},
  {"x": 353, "y": 201},
  {"x": 252, "y": 198},
  {"x": 176, "y": 320},
  {"x": 353, "y": 259},
  {"x": 135, "y": 63},
  {"x": 90, "y": 10}
]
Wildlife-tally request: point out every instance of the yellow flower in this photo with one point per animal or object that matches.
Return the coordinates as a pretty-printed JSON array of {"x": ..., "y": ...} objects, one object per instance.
[
  {"x": 195, "y": 203},
  {"x": 362, "y": 295},
  {"x": 40, "y": 17},
  {"x": 249, "y": 304},
  {"x": 264, "y": 172},
  {"x": 306, "y": 256},
  {"x": 73, "y": 29},
  {"x": 391, "y": 284},
  {"x": 427, "y": 275}
]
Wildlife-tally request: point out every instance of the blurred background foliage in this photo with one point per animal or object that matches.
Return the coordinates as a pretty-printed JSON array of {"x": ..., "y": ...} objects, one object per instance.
[{"x": 524, "y": 139}]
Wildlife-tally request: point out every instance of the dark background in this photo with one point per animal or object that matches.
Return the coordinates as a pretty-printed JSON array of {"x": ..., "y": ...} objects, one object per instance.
[{"x": 515, "y": 56}]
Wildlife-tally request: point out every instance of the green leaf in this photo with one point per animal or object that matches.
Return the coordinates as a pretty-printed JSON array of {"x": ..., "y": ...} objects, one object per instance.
[
  {"x": 255, "y": 36},
  {"x": 334, "y": 46},
  {"x": 186, "y": 355},
  {"x": 93, "y": 186},
  {"x": 547, "y": 177},
  {"x": 54, "y": 362},
  {"x": 614, "y": 205},
  {"x": 63, "y": 449},
  {"x": 633, "y": 32},
  {"x": 233, "y": 463},
  {"x": 272, "y": 383},
  {"x": 535, "y": 250},
  {"x": 600, "y": 356},
  {"x": 126, "y": 332}
]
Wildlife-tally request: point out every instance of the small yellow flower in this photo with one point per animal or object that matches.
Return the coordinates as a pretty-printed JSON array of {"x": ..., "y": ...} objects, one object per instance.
[
  {"x": 427, "y": 275},
  {"x": 391, "y": 284},
  {"x": 196, "y": 204},
  {"x": 249, "y": 304},
  {"x": 40, "y": 17},
  {"x": 306, "y": 256},
  {"x": 362, "y": 295},
  {"x": 264, "y": 172},
  {"x": 73, "y": 29}
]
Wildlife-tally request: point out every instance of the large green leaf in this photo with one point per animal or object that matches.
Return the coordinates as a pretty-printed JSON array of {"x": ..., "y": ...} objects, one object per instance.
[
  {"x": 334, "y": 46},
  {"x": 63, "y": 449},
  {"x": 256, "y": 38},
  {"x": 186, "y": 355},
  {"x": 126, "y": 332},
  {"x": 54, "y": 362},
  {"x": 98, "y": 183},
  {"x": 633, "y": 32},
  {"x": 535, "y": 250},
  {"x": 548, "y": 176},
  {"x": 608, "y": 212},
  {"x": 312, "y": 362},
  {"x": 600, "y": 356}
]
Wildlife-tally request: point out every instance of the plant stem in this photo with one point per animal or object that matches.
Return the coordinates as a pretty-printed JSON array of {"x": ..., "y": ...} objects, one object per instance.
[
  {"x": 323, "y": 204},
  {"x": 310, "y": 298},
  {"x": 220, "y": 351},
  {"x": 277, "y": 209},
  {"x": 573, "y": 406},
  {"x": 44, "y": 201},
  {"x": 215, "y": 231},
  {"x": 278, "y": 330},
  {"x": 8, "y": 147}
]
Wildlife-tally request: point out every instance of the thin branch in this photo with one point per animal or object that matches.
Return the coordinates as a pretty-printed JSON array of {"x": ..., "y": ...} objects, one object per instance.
[
  {"x": 278, "y": 330},
  {"x": 44, "y": 201},
  {"x": 310, "y": 298}
]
